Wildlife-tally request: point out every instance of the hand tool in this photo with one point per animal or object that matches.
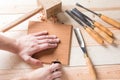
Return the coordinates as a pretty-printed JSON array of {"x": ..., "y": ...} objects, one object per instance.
[
  {"x": 84, "y": 20},
  {"x": 97, "y": 24},
  {"x": 88, "y": 29},
  {"x": 88, "y": 61},
  {"x": 51, "y": 7},
  {"x": 103, "y": 17}
]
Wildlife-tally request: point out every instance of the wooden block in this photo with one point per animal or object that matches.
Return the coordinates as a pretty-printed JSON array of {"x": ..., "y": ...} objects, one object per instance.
[
  {"x": 51, "y": 7},
  {"x": 63, "y": 32}
]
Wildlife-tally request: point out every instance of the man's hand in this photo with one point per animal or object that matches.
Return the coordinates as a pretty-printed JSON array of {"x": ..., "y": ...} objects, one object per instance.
[
  {"x": 49, "y": 73},
  {"x": 52, "y": 72},
  {"x": 33, "y": 43}
]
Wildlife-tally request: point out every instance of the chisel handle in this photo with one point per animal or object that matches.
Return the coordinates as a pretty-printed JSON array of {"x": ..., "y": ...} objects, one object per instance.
[
  {"x": 110, "y": 21},
  {"x": 104, "y": 35},
  {"x": 90, "y": 67},
  {"x": 21, "y": 19},
  {"x": 96, "y": 36},
  {"x": 103, "y": 28}
]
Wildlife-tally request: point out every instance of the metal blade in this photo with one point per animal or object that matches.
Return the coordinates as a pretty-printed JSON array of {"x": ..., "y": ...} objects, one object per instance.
[{"x": 80, "y": 39}]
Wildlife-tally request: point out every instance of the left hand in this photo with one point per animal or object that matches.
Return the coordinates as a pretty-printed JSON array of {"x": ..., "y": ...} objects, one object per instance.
[{"x": 33, "y": 43}]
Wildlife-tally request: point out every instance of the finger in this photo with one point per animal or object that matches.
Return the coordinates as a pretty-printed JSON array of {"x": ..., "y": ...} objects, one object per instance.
[
  {"x": 31, "y": 60},
  {"x": 49, "y": 41},
  {"x": 40, "y": 33},
  {"x": 46, "y": 37},
  {"x": 55, "y": 67},
  {"x": 56, "y": 75},
  {"x": 45, "y": 46}
]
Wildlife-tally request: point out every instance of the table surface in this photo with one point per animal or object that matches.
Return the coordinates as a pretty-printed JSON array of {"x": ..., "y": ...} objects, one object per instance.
[{"x": 101, "y": 56}]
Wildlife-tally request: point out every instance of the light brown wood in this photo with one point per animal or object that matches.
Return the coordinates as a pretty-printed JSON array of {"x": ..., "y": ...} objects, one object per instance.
[
  {"x": 91, "y": 68},
  {"x": 51, "y": 7},
  {"x": 21, "y": 19},
  {"x": 106, "y": 72},
  {"x": 95, "y": 35},
  {"x": 109, "y": 55},
  {"x": 103, "y": 28},
  {"x": 105, "y": 36},
  {"x": 110, "y": 21},
  {"x": 63, "y": 32}
]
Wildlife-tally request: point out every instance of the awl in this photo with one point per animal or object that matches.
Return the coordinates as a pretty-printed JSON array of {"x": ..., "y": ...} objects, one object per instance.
[{"x": 88, "y": 61}]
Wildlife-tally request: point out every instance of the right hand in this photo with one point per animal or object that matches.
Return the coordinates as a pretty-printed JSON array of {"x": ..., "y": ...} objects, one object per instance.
[{"x": 52, "y": 72}]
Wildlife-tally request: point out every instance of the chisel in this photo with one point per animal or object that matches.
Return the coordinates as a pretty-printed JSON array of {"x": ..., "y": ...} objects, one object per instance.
[
  {"x": 103, "y": 17},
  {"x": 99, "y": 31},
  {"x": 88, "y": 29},
  {"x": 88, "y": 61},
  {"x": 99, "y": 25}
]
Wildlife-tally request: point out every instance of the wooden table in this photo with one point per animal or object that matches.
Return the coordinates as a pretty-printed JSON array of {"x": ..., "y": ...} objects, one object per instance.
[{"x": 106, "y": 59}]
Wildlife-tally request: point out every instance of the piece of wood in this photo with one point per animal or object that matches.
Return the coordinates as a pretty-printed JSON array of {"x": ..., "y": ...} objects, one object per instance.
[
  {"x": 21, "y": 19},
  {"x": 106, "y": 72},
  {"x": 63, "y": 32},
  {"x": 51, "y": 7}
]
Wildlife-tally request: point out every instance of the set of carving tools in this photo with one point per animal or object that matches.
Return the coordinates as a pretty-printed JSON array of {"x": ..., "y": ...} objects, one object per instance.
[
  {"x": 94, "y": 28},
  {"x": 82, "y": 43}
]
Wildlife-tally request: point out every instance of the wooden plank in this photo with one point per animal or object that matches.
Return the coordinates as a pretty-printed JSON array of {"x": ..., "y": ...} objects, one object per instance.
[
  {"x": 63, "y": 32},
  {"x": 106, "y": 72},
  {"x": 51, "y": 7}
]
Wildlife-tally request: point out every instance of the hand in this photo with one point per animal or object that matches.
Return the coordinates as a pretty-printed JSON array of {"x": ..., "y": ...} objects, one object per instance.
[
  {"x": 52, "y": 72},
  {"x": 48, "y": 73},
  {"x": 33, "y": 43}
]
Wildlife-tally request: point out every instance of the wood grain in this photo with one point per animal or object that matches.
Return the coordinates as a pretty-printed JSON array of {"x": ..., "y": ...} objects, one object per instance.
[
  {"x": 106, "y": 72},
  {"x": 63, "y": 32}
]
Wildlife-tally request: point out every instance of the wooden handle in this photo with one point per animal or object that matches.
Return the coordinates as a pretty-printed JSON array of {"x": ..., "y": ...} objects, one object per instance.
[
  {"x": 103, "y": 28},
  {"x": 104, "y": 35},
  {"x": 21, "y": 19},
  {"x": 91, "y": 68},
  {"x": 110, "y": 21},
  {"x": 96, "y": 36}
]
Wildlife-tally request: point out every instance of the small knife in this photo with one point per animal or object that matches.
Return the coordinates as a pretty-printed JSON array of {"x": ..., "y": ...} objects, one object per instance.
[{"x": 88, "y": 61}]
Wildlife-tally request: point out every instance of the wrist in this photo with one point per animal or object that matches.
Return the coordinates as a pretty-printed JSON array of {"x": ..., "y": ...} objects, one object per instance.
[
  {"x": 21, "y": 78},
  {"x": 8, "y": 44}
]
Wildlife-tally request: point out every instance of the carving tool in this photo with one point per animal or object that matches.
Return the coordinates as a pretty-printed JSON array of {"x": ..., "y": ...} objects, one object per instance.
[
  {"x": 84, "y": 19},
  {"x": 99, "y": 25},
  {"x": 88, "y": 61},
  {"x": 90, "y": 31},
  {"x": 103, "y": 17}
]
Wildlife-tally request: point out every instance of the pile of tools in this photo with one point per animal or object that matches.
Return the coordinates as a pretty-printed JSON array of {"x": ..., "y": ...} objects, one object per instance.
[{"x": 95, "y": 29}]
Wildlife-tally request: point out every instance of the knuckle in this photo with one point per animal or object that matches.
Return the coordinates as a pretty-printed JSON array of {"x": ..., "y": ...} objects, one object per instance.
[
  {"x": 27, "y": 59},
  {"x": 48, "y": 40}
]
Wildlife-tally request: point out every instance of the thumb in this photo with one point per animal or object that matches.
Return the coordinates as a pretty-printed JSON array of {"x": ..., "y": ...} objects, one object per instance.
[{"x": 31, "y": 60}]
